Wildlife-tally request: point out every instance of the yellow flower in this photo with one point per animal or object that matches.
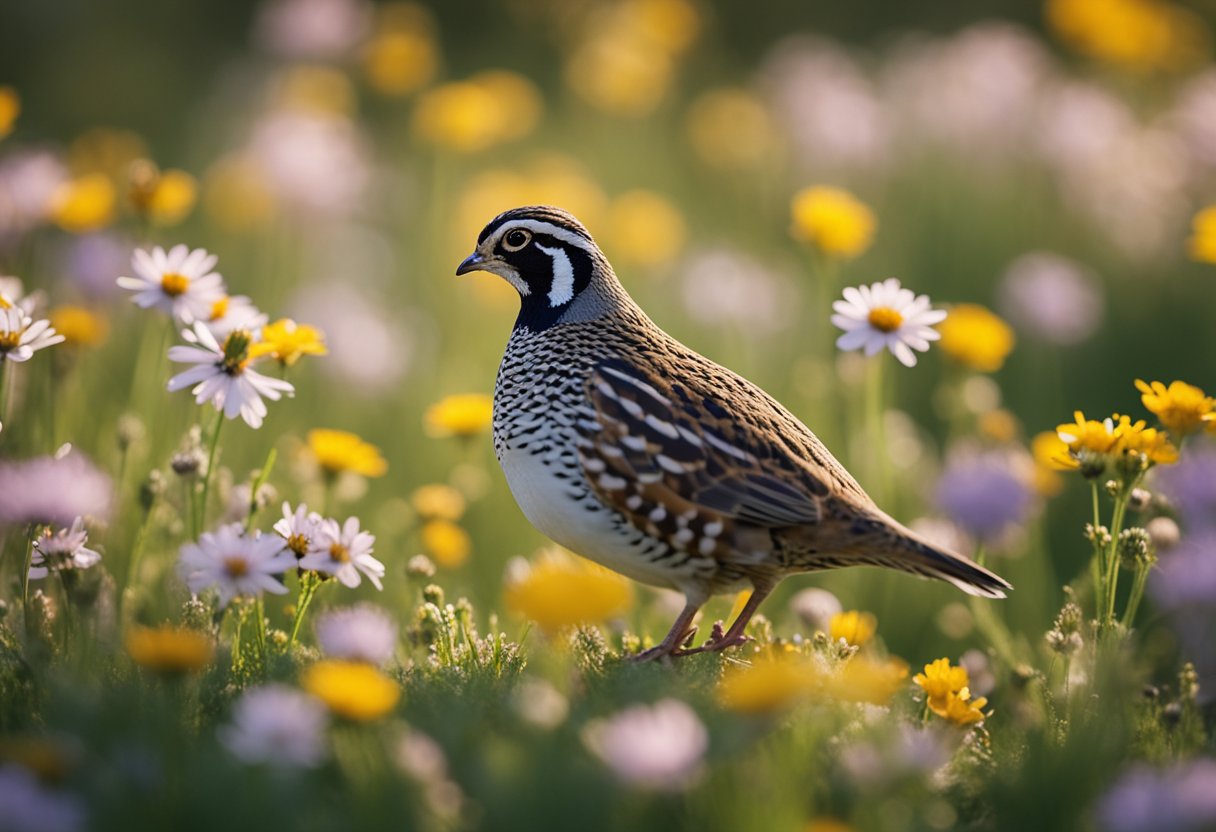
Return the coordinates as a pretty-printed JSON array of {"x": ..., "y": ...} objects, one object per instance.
[
  {"x": 1134, "y": 437},
  {"x": 164, "y": 197},
  {"x": 464, "y": 415},
  {"x": 352, "y": 690},
  {"x": 287, "y": 340},
  {"x": 105, "y": 150},
  {"x": 79, "y": 326},
  {"x": 1086, "y": 435},
  {"x": 854, "y": 627},
  {"x": 672, "y": 25},
  {"x": 832, "y": 220},
  {"x": 863, "y": 679},
  {"x": 976, "y": 338},
  {"x": 10, "y": 108},
  {"x": 169, "y": 650},
  {"x": 560, "y": 591},
  {"x": 644, "y": 228},
  {"x": 85, "y": 204},
  {"x": 438, "y": 502},
  {"x": 999, "y": 425},
  {"x": 1050, "y": 455},
  {"x": 958, "y": 707},
  {"x": 339, "y": 450},
  {"x": 237, "y": 196},
  {"x": 620, "y": 73},
  {"x": 769, "y": 684},
  {"x": 402, "y": 56},
  {"x": 1202, "y": 242},
  {"x": 1181, "y": 407},
  {"x": 473, "y": 115},
  {"x": 446, "y": 543},
  {"x": 730, "y": 129},
  {"x": 1142, "y": 35},
  {"x": 940, "y": 680}
]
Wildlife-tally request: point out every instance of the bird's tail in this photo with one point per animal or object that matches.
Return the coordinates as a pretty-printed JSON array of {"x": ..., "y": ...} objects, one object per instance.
[{"x": 913, "y": 553}]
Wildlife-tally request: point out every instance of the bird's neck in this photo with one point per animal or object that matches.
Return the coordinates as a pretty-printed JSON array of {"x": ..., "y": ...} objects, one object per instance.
[{"x": 604, "y": 297}]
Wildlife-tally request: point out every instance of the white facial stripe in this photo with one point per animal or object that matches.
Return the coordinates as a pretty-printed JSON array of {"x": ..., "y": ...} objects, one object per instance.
[
  {"x": 556, "y": 231},
  {"x": 563, "y": 275}
]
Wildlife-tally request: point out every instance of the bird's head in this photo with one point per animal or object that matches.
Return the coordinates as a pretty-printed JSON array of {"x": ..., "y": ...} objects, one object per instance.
[{"x": 548, "y": 256}]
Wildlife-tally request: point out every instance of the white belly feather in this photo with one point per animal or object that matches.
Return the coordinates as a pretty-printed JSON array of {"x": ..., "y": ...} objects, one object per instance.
[{"x": 547, "y": 503}]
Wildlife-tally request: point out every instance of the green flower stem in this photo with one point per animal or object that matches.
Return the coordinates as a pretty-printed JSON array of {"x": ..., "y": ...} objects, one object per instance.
[
  {"x": 259, "y": 631},
  {"x": 990, "y": 626},
  {"x": 258, "y": 482},
  {"x": 215, "y": 443},
  {"x": 137, "y": 551},
  {"x": 876, "y": 429},
  {"x": 1112, "y": 566},
  {"x": 1097, "y": 563},
  {"x": 1137, "y": 593},
  {"x": 25, "y": 577},
  {"x": 237, "y": 658},
  {"x": 309, "y": 584}
]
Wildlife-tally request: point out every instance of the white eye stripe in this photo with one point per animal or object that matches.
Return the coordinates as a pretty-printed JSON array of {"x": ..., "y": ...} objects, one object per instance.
[
  {"x": 562, "y": 289},
  {"x": 555, "y": 231}
]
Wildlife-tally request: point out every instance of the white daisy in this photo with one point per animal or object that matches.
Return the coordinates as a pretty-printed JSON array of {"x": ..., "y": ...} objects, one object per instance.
[
  {"x": 344, "y": 553},
  {"x": 277, "y": 724},
  {"x": 234, "y": 563},
  {"x": 886, "y": 315},
  {"x": 21, "y": 336},
  {"x": 233, "y": 312},
  {"x": 222, "y": 375},
  {"x": 65, "y": 549},
  {"x": 362, "y": 633},
  {"x": 182, "y": 282},
  {"x": 12, "y": 294},
  {"x": 300, "y": 529}
]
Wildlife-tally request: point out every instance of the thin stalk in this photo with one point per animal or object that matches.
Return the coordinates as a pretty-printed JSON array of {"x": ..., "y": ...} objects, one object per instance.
[
  {"x": 876, "y": 430},
  {"x": 258, "y": 482},
  {"x": 989, "y": 625},
  {"x": 237, "y": 660},
  {"x": 25, "y": 577},
  {"x": 215, "y": 443},
  {"x": 1137, "y": 593},
  {"x": 1112, "y": 574},
  {"x": 137, "y": 551},
  {"x": 259, "y": 609},
  {"x": 308, "y": 588},
  {"x": 3, "y": 394},
  {"x": 1097, "y": 564}
]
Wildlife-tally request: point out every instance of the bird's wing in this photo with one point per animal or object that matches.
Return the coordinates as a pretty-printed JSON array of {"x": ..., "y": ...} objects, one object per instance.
[{"x": 673, "y": 459}]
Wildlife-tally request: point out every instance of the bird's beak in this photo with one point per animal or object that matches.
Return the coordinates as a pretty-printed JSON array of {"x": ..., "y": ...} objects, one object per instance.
[{"x": 471, "y": 263}]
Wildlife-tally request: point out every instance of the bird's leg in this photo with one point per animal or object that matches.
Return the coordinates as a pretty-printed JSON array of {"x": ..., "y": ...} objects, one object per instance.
[
  {"x": 734, "y": 636},
  {"x": 680, "y": 632}
]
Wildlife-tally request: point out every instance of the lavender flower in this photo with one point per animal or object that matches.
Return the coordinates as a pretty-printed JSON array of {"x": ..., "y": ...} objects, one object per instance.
[
  {"x": 277, "y": 724},
  {"x": 983, "y": 495},
  {"x": 1191, "y": 485},
  {"x": 65, "y": 549},
  {"x": 1181, "y": 799},
  {"x": 53, "y": 490},
  {"x": 1051, "y": 298},
  {"x": 25, "y": 806},
  {"x": 1187, "y": 576}
]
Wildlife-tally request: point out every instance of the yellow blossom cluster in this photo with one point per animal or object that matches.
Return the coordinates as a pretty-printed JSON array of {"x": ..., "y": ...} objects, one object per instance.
[
  {"x": 731, "y": 129},
  {"x": 1181, "y": 408},
  {"x": 462, "y": 415},
  {"x": 339, "y": 451},
  {"x": 169, "y": 650},
  {"x": 947, "y": 693},
  {"x": 976, "y": 337},
  {"x": 1202, "y": 242},
  {"x": 352, "y": 690},
  {"x": 161, "y": 197},
  {"x": 854, "y": 627},
  {"x": 402, "y": 55},
  {"x": 557, "y": 591},
  {"x": 784, "y": 678},
  {"x": 625, "y": 60},
  {"x": 287, "y": 341},
  {"x": 832, "y": 220},
  {"x": 475, "y": 114},
  {"x": 1141, "y": 35}
]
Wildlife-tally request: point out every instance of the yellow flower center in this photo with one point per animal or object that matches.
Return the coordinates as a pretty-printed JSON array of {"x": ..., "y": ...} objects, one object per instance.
[
  {"x": 4, "y": 304},
  {"x": 298, "y": 544},
  {"x": 10, "y": 340},
  {"x": 236, "y": 566},
  {"x": 885, "y": 319},
  {"x": 174, "y": 284},
  {"x": 339, "y": 553},
  {"x": 218, "y": 309}
]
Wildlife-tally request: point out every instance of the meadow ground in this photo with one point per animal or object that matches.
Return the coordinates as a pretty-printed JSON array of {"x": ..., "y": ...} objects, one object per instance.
[{"x": 258, "y": 566}]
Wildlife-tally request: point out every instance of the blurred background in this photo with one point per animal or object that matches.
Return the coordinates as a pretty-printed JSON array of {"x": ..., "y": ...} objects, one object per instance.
[{"x": 340, "y": 156}]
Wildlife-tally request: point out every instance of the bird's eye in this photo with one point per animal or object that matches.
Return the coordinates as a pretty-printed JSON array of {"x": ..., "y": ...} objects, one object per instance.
[{"x": 516, "y": 239}]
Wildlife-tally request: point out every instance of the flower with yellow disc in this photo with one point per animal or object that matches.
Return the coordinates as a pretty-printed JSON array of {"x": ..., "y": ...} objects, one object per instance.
[
  {"x": 463, "y": 415},
  {"x": 834, "y": 221},
  {"x": 286, "y": 341},
  {"x": 339, "y": 451},
  {"x": 1181, "y": 408},
  {"x": 352, "y": 690},
  {"x": 976, "y": 337}
]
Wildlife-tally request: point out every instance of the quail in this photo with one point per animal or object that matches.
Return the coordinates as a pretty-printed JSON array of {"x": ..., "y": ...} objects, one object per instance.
[{"x": 629, "y": 448}]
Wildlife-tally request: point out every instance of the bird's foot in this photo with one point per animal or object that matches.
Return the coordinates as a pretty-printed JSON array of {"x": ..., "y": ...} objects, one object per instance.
[
  {"x": 719, "y": 639},
  {"x": 666, "y": 650}
]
